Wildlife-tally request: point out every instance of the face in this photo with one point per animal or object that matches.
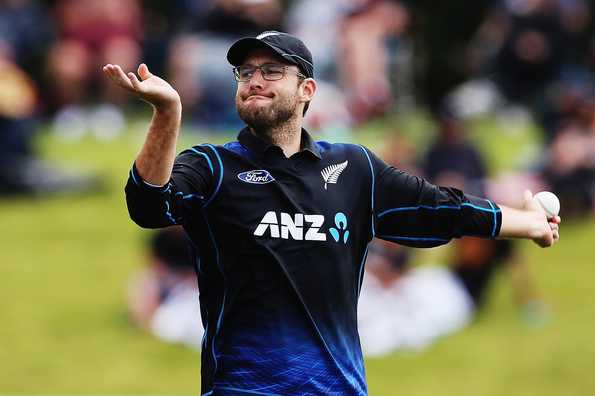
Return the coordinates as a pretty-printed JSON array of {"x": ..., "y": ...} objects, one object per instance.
[{"x": 264, "y": 104}]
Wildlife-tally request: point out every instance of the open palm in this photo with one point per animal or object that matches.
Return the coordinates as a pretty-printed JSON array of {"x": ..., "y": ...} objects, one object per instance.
[{"x": 151, "y": 88}]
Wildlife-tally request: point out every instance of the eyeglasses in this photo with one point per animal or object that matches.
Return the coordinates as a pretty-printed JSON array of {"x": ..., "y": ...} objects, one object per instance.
[{"x": 269, "y": 71}]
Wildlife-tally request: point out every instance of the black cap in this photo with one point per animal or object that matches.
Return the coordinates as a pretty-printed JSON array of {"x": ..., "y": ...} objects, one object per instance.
[{"x": 289, "y": 47}]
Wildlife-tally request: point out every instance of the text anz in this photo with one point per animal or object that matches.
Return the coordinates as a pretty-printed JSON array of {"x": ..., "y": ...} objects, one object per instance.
[{"x": 291, "y": 226}]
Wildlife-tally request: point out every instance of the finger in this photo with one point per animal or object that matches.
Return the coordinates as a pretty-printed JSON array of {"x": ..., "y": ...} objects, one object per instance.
[
  {"x": 528, "y": 195},
  {"x": 119, "y": 77},
  {"x": 556, "y": 235},
  {"x": 134, "y": 81},
  {"x": 143, "y": 71},
  {"x": 110, "y": 71},
  {"x": 554, "y": 229}
]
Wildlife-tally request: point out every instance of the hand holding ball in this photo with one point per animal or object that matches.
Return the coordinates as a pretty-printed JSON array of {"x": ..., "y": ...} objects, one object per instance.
[{"x": 549, "y": 202}]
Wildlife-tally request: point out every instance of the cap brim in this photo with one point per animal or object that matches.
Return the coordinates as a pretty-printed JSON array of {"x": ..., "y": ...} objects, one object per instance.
[{"x": 238, "y": 52}]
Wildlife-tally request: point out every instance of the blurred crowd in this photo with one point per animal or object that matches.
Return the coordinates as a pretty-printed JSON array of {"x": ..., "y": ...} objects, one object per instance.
[{"x": 370, "y": 58}]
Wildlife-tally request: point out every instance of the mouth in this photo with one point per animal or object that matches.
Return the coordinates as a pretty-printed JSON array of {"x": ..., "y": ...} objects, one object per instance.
[{"x": 258, "y": 97}]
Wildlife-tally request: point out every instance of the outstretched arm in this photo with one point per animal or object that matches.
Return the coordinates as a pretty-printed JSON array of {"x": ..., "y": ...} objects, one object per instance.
[
  {"x": 530, "y": 222},
  {"x": 155, "y": 160},
  {"x": 410, "y": 211}
]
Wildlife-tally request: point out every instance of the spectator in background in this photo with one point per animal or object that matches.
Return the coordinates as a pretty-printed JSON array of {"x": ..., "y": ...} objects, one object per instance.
[
  {"x": 529, "y": 56},
  {"x": 537, "y": 51},
  {"x": 163, "y": 296},
  {"x": 88, "y": 34},
  {"x": 25, "y": 33},
  {"x": 21, "y": 171},
  {"x": 196, "y": 62},
  {"x": 319, "y": 25},
  {"x": 356, "y": 44},
  {"x": 402, "y": 308},
  {"x": 454, "y": 160},
  {"x": 365, "y": 57},
  {"x": 570, "y": 165},
  {"x": 542, "y": 52}
]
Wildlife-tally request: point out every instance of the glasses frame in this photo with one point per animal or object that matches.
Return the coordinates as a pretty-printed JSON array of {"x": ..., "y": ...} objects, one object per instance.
[{"x": 236, "y": 72}]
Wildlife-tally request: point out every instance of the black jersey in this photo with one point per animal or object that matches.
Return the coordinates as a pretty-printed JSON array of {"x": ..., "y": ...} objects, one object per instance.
[{"x": 280, "y": 245}]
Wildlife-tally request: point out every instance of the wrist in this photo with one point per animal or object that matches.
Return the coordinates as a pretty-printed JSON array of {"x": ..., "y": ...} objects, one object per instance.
[{"x": 173, "y": 108}]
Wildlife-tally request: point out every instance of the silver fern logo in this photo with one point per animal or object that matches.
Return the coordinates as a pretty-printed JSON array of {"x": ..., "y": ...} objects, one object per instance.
[{"x": 331, "y": 173}]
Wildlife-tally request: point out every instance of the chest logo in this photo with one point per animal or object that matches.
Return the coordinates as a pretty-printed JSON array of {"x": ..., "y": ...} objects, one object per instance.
[
  {"x": 292, "y": 227},
  {"x": 301, "y": 227},
  {"x": 331, "y": 173},
  {"x": 258, "y": 176}
]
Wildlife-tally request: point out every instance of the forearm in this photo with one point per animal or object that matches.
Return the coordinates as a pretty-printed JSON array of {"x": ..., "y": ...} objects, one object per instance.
[{"x": 156, "y": 158}]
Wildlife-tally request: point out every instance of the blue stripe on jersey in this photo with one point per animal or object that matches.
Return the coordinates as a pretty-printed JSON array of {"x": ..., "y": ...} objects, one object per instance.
[
  {"x": 168, "y": 213},
  {"x": 188, "y": 196},
  {"x": 362, "y": 264},
  {"x": 133, "y": 176},
  {"x": 207, "y": 157},
  {"x": 495, "y": 212},
  {"x": 405, "y": 238},
  {"x": 439, "y": 207},
  {"x": 373, "y": 187},
  {"x": 361, "y": 272},
  {"x": 220, "y": 174}
]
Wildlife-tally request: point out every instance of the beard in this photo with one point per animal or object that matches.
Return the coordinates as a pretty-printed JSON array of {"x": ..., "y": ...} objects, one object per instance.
[{"x": 264, "y": 119}]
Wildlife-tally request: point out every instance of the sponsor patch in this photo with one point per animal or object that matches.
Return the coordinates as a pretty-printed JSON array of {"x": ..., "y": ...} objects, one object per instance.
[{"x": 258, "y": 176}]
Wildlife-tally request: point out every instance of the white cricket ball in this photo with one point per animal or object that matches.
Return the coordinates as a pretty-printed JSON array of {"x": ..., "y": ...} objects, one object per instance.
[{"x": 549, "y": 202}]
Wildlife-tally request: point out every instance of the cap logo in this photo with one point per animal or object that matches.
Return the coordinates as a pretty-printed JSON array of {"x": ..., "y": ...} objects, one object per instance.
[
  {"x": 297, "y": 56},
  {"x": 267, "y": 34}
]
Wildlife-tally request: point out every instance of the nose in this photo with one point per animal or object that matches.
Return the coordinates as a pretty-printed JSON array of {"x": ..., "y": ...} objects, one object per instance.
[{"x": 256, "y": 80}]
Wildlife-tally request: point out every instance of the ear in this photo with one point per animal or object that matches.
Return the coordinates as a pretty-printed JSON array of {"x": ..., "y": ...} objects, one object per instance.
[{"x": 307, "y": 89}]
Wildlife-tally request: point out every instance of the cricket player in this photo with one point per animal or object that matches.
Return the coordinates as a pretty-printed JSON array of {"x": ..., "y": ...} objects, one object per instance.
[{"x": 280, "y": 224}]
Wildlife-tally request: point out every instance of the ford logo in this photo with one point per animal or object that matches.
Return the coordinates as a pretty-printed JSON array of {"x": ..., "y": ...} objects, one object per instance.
[{"x": 256, "y": 177}]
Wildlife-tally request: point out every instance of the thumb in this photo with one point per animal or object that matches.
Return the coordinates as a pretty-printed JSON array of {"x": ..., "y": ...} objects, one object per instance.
[
  {"x": 143, "y": 71},
  {"x": 528, "y": 201}
]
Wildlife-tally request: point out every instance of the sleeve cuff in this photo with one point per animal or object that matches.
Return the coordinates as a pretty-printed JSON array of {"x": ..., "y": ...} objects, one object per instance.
[
  {"x": 497, "y": 219},
  {"x": 140, "y": 183}
]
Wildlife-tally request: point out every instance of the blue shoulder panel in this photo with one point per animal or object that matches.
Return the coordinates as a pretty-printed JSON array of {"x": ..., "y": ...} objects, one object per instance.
[{"x": 237, "y": 148}]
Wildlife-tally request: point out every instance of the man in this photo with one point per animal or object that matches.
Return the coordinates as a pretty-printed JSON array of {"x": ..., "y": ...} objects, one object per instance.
[{"x": 280, "y": 225}]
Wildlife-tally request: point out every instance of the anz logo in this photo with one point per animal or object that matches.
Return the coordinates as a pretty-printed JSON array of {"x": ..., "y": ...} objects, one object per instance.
[{"x": 286, "y": 226}]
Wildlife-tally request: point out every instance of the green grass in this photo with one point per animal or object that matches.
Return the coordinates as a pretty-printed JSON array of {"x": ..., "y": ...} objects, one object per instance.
[{"x": 65, "y": 263}]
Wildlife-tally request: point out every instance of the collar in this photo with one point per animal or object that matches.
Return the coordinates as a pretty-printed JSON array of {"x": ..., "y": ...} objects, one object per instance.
[{"x": 256, "y": 144}]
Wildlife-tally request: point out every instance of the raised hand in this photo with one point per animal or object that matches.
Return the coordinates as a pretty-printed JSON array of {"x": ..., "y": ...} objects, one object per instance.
[
  {"x": 546, "y": 231},
  {"x": 150, "y": 88}
]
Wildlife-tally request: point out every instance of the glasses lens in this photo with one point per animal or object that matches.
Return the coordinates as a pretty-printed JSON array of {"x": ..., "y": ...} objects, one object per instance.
[
  {"x": 244, "y": 72},
  {"x": 272, "y": 72}
]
